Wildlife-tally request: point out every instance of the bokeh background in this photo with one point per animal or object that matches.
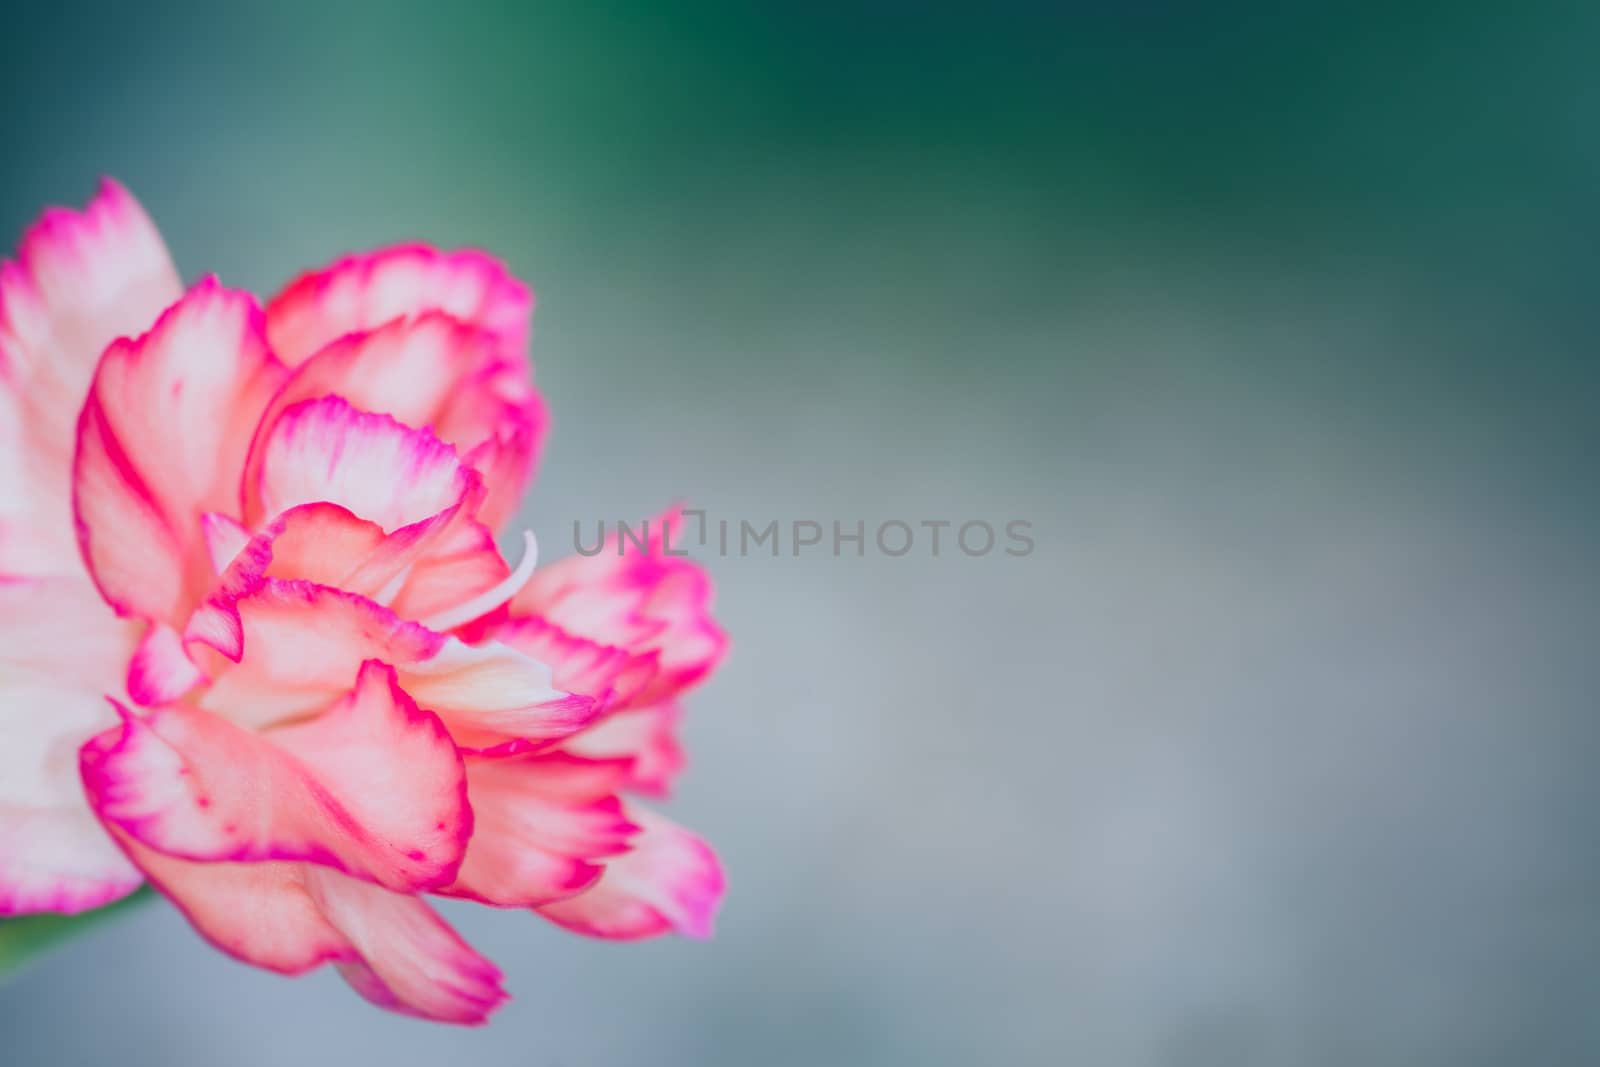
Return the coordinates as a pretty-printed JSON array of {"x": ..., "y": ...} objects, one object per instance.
[{"x": 1278, "y": 322}]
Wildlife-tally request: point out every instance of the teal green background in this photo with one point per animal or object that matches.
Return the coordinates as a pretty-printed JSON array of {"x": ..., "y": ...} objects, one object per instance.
[{"x": 1277, "y": 321}]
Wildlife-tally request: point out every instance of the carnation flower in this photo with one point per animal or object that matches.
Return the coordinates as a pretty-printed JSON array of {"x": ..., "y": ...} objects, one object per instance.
[{"x": 258, "y": 647}]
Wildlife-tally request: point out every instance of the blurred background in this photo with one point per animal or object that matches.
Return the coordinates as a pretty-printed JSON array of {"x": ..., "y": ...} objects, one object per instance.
[{"x": 1278, "y": 322}]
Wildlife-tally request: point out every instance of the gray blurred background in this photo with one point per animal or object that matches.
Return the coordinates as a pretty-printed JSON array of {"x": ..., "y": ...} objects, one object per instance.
[{"x": 1279, "y": 325}]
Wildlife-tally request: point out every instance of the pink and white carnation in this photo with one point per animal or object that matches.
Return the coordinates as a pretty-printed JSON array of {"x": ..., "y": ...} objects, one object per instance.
[{"x": 258, "y": 647}]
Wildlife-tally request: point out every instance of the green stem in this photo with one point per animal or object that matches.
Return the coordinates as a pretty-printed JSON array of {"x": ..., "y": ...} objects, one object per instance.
[{"x": 24, "y": 938}]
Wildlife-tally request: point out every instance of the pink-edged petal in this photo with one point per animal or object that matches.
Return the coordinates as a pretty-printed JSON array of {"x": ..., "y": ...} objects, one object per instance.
[
  {"x": 380, "y": 470},
  {"x": 461, "y": 565},
  {"x": 541, "y": 823},
  {"x": 296, "y": 641},
  {"x": 59, "y": 859},
  {"x": 361, "y": 292},
  {"x": 361, "y": 502},
  {"x": 397, "y": 764},
  {"x": 406, "y": 958},
  {"x": 258, "y": 913},
  {"x": 80, "y": 281},
  {"x": 372, "y": 787},
  {"x": 161, "y": 670},
  {"x": 438, "y": 373},
  {"x": 322, "y": 543},
  {"x": 61, "y": 648},
  {"x": 491, "y": 695},
  {"x": 645, "y": 739},
  {"x": 670, "y": 882},
  {"x": 325, "y": 544},
  {"x": 508, "y": 457},
  {"x": 644, "y": 600},
  {"x": 413, "y": 369},
  {"x": 292, "y": 917},
  {"x": 161, "y": 440},
  {"x": 497, "y": 397},
  {"x": 472, "y": 612},
  {"x": 611, "y": 675}
]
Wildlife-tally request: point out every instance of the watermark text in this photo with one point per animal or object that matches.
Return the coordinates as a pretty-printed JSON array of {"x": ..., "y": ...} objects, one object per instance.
[{"x": 694, "y": 532}]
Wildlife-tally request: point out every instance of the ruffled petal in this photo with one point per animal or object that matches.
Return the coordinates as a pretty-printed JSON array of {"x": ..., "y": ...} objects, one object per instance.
[
  {"x": 644, "y": 739},
  {"x": 295, "y": 642},
  {"x": 541, "y": 822},
  {"x": 61, "y": 648},
  {"x": 406, "y": 958},
  {"x": 612, "y": 676},
  {"x": 378, "y": 469},
  {"x": 161, "y": 440},
  {"x": 371, "y": 787},
  {"x": 385, "y": 500},
  {"x": 292, "y": 917},
  {"x": 59, "y": 859},
  {"x": 322, "y": 543},
  {"x": 161, "y": 670},
  {"x": 437, "y": 373},
  {"x": 509, "y": 456},
  {"x": 325, "y": 544},
  {"x": 491, "y": 696},
  {"x": 365, "y": 291},
  {"x": 670, "y": 882},
  {"x": 80, "y": 282},
  {"x": 461, "y": 564},
  {"x": 644, "y": 600},
  {"x": 258, "y": 913}
]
